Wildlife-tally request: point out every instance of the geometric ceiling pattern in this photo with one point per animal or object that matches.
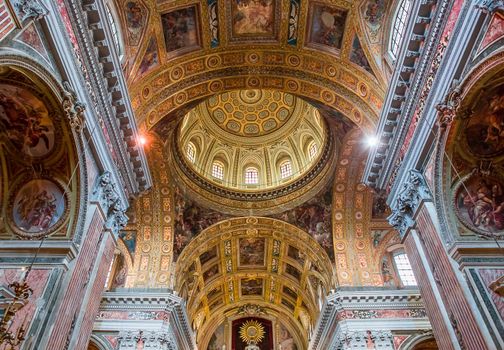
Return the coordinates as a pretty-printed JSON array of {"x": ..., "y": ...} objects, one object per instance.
[
  {"x": 180, "y": 52},
  {"x": 274, "y": 266}
]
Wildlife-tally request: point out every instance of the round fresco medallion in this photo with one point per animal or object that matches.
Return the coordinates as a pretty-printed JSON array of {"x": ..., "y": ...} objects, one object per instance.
[
  {"x": 479, "y": 203},
  {"x": 38, "y": 206},
  {"x": 485, "y": 129},
  {"x": 25, "y": 120}
]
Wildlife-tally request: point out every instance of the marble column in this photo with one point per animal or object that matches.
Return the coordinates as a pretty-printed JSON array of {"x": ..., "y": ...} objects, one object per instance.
[{"x": 447, "y": 298}]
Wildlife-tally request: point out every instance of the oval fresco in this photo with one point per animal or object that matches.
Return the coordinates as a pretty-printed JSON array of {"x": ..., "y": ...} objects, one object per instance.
[
  {"x": 38, "y": 206},
  {"x": 479, "y": 204},
  {"x": 25, "y": 120},
  {"x": 485, "y": 129}
]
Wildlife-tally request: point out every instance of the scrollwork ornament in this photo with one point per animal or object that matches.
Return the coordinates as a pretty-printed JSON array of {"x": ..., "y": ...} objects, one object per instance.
[
  {"x": 448, "y": 108},
  {"x": 251, "y": 309},
  {"x": 74, "y": 110},
  {"x": 30, "y": 8}
]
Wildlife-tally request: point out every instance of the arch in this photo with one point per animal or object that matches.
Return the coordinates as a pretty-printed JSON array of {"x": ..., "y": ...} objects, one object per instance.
[
  {"x": 415, "y": 341},
  {"x": 329, "y": 84},
  {"x": 97, "y": 342},
  {"x": 53, "y": 141},
  {"x": 226, "y": 245},
  {"x": 471, "y": 100}
]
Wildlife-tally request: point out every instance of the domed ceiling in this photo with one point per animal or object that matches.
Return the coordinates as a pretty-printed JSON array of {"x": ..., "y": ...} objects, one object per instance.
[
  {"x": 260, "y": 129},
  {"x": 254, "y": 113},
  {"x": 281, "y": 138}
]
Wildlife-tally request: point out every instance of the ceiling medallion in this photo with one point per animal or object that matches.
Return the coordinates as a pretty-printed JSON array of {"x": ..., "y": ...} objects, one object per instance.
[{"x": 252, "y": 333}]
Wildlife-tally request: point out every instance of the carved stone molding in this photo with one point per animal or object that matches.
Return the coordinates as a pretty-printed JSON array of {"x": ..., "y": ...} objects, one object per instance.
[
  {"x": 411, "y": 195},
  {"x": 29, "y": 8},
  {"x": 105, "y": 192},
  {"x": 143, "y": 308},
  {"x": 74, "y": 109},
  {"x": 491, "y": 6}
]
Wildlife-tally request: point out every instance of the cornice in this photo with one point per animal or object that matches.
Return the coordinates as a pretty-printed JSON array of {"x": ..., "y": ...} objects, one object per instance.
[
  {"x": 111, "y": 92},
  {"x": 159, "y": 300},
  {"x": 410, "y": 76},
  {"x": 329, "y": 329}
]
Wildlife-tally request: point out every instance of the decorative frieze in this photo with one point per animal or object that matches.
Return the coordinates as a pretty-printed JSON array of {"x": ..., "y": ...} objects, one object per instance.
[
  {"x": 156, "y": 320},
  {"x": 411, "y": 195},
  {"x": 346, "y": 311}
]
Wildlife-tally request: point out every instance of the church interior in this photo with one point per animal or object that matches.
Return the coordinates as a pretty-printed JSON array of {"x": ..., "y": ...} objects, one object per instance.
[{"x": 251, "y": 174}]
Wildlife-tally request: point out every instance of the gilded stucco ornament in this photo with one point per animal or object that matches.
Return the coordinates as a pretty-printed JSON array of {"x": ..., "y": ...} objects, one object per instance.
[
  {"x": 105, "y": 192},
  {"x": 411, "y": 195},
  {"x": 251, "y": 310}
]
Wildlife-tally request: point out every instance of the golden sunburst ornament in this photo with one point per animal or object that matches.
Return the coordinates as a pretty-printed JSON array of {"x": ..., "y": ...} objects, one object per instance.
[{"x": 252, "y": 331}]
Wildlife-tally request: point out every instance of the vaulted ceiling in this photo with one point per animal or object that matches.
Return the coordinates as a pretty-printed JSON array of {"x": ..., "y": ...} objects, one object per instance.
[
  {"x": 179, "y": 52},
  {"x": 196, "y": 59}
]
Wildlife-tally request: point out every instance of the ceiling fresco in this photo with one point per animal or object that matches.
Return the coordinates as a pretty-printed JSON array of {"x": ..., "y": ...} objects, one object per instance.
[{"x": 178, "y": 52}]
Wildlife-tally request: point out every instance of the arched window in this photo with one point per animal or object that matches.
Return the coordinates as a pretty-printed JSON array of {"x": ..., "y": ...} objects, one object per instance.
[
  {"x": 404, "y": 269},
  {"x": 251, "y": 176},
  {"x": 285, "y": 169},
  {"x": 218, "y": 170},
  {"x": 113, "y": 30},
  {"x": 312, "y": 151},
  {"x": 191, "y": 152},
  {"x": 399, "y": 27}
]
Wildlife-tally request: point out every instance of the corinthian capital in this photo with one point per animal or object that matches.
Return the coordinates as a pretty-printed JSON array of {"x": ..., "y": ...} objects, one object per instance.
[
  {"x": 491, "y": 6},
  {"x": 29, "y": 8},
  {"x": 413, "y": 191},
  {"x": 105, "y": 192},
  {"x": 74, "y": 109}
]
